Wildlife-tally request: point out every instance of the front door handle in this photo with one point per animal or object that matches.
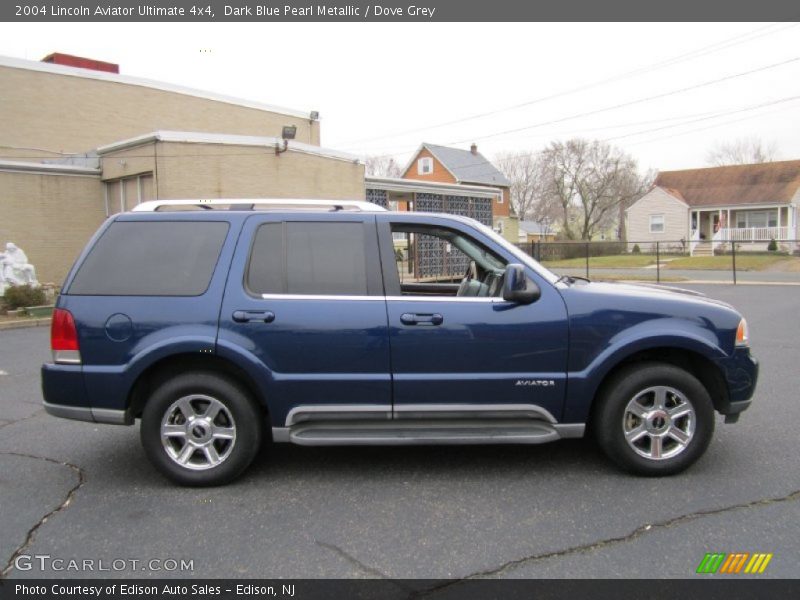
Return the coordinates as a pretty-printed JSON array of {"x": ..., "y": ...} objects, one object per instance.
[
  {"x": 247, "y": 316},
  {"x": 421, "y": 319}
]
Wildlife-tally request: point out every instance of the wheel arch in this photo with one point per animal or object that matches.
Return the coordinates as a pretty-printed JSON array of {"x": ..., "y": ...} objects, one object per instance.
[
  {"x": 162, "y": 369},
  {"x": 705, "y": 370}
]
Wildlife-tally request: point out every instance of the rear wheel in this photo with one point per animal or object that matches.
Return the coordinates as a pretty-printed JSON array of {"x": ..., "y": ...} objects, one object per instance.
[
  {"x": 654, "y": 419},
  {"x": 201, "y": 429}
]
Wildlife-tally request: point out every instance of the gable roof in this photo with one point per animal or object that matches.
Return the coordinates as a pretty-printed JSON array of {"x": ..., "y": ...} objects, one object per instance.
[
  {"x": 764, "y": 183},
  {"x": 465, "y": 166}
]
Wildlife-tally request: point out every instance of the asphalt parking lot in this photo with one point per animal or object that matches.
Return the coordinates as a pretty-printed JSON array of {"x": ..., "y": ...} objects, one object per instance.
[{"x": 80, "y": 491}]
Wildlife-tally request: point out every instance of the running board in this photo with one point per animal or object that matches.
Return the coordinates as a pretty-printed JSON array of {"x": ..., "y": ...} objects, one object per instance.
[{"x": 428, "y": 431}]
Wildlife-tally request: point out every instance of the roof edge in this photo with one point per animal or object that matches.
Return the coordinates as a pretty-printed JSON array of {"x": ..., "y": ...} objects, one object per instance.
[
  {"x": 30, "y": 65},
  {"x": 47, "y": 168},
  {"x": 199, "y": 137}
]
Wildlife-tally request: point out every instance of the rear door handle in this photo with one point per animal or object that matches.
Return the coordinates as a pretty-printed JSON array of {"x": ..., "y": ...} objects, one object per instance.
[
  {"x": 247, "y": 316},
  {"x": 421, "y": 319}
]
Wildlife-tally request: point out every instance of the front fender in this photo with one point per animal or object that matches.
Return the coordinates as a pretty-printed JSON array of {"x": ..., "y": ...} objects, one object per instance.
[{"x": 671, "y": 333}]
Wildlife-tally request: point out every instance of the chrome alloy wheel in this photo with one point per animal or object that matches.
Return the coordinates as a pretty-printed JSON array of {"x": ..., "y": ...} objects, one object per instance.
[
  {"x": 198, "y": 432},
  {"x": 659, "y": 422}
]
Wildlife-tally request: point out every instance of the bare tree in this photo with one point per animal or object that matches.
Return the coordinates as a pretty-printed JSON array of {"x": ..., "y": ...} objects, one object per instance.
[
  {"x": 587, "y": 182},
  {"x": 742, "y": 151},
  {"x": 383, "y": 166},
  {"x": 523, "y": 171}
]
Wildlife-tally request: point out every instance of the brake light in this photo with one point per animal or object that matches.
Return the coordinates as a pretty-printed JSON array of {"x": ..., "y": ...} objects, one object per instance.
[{"x": 64, "y": 338}]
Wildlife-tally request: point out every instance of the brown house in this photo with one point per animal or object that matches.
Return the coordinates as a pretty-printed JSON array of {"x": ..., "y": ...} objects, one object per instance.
[{"x": 442, "y": 164}]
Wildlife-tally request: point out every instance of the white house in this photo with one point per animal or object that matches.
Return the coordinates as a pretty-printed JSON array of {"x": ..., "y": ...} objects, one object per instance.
[{"x": 709, "y": 208}]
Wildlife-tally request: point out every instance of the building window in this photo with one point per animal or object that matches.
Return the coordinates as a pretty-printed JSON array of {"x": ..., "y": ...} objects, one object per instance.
[
  {"x": 656, "y": 223},
  {"x": 425, "y": 165},
  {"x": 757, "y": 218}
]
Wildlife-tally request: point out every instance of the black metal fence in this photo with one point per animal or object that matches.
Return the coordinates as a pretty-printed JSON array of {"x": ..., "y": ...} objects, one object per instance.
[{"x": 672, "y": 260}]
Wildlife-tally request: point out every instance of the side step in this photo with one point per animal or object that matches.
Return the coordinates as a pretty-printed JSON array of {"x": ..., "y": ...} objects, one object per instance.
[{"x": 427, "y": 431}]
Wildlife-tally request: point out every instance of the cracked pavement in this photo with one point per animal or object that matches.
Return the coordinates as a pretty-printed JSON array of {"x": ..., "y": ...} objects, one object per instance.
[{"x": 83, "y": 491}]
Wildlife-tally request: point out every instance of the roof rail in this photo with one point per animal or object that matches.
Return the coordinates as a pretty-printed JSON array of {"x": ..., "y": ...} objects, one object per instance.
[{"x": 258, "y": 204}]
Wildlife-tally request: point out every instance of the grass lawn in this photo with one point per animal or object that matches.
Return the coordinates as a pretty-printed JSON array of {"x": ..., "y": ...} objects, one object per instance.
[
  {"x": 622, "y": 261},
  {"x": 744, "y": 262}
]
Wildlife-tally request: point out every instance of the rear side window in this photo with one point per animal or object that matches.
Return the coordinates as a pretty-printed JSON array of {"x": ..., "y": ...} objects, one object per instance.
[
  {"x": 308, "y": 258},
  {"x": 154, "y": 258}
]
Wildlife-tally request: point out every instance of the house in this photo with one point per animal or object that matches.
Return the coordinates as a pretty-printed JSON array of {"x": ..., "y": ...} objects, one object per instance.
[
  {"x": 81, "y": 142},
  {"x": 454, "y": 166},
  {"x": 749, "y": 205},
  {"x": 531, "y": 232}
]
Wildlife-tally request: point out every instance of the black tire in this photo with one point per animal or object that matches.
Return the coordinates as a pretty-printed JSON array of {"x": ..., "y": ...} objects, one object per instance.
[
  {"x": 236, "y": 420},
  {"x": 680, "y": 440}
]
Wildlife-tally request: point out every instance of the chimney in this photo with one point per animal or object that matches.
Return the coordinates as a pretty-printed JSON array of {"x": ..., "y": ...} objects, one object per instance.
[
  {"x": 474, "y": 149},
  {"x": 68, "y": 60}
]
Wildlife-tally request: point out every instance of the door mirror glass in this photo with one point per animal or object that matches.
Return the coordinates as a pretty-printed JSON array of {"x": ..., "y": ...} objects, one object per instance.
[{"x": 518, "y": 287}]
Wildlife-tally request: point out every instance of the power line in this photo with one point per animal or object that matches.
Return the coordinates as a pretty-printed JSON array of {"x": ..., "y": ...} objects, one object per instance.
[
  {"x": 637, "y": 101},
  {"x": 703, "y": 51}
]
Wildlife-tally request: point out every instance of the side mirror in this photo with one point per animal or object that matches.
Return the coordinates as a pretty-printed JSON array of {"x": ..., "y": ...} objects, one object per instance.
[{"x": 518, "y": 287}]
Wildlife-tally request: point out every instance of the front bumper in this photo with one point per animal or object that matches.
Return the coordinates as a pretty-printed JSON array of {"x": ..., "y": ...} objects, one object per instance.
[{"x": 741, "y": 374}]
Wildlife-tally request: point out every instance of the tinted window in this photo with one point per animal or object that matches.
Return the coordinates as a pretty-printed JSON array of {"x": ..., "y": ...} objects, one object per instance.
[
  {"x": 308, "y": 258},
  {"x": 164, "y": 258}
]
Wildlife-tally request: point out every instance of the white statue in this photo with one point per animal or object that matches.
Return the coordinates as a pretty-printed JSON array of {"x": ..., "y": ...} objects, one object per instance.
[{"x": 15, "y": 268}]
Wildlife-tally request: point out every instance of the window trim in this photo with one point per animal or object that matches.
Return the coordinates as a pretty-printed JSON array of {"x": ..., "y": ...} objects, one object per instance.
[
  {"x": 424, "y": 160},
  {"x": 663, "y": 223}
]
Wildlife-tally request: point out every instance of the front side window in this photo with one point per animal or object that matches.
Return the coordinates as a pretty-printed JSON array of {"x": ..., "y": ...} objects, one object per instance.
[
  {"x": 656, "y": 223},
  {"x": 308, "y": 258},
  {"x": 437, "y": 261}
]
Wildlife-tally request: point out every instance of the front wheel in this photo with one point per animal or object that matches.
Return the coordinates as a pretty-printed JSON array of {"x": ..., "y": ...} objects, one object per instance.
[
  {"x": 200, "y": 429},
  {"x": 654, "y": 419}
]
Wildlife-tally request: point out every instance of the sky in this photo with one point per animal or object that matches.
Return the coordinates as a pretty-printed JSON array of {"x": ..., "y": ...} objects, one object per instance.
[{"x": 665, "y": 93}]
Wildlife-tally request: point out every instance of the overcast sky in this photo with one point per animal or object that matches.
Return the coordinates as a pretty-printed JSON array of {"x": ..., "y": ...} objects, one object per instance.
[{"x": 385, "y": 88}]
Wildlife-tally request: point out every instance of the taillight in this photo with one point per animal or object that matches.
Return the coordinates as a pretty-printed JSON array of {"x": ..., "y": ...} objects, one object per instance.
[{"x": 64, "y": 338}]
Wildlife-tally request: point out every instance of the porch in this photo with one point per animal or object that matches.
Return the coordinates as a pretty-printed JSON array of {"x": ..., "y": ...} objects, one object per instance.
[{"x": 756, "y": 227}]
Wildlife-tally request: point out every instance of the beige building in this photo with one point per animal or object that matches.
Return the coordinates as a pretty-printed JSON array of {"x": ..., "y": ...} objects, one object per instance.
[
  {"x": 79, "y": 145},
  {"x": 50, "y": 110}
]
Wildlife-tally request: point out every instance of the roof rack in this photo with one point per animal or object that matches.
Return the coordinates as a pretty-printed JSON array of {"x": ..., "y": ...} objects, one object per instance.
[{"x": 258, "y": 204}]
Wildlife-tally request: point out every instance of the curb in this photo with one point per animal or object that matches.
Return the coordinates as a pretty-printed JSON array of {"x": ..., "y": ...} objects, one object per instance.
[{"x": 24, "y": 323}]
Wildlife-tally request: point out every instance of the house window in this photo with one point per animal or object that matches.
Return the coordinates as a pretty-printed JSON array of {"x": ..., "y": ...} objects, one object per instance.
[
  {"x": 757, "y": 218},
  {"x": 425, "y": 165},
  {"x": 656, "y": 223}
]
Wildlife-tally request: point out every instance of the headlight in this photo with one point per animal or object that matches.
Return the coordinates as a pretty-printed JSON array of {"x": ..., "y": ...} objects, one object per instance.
[{"x": 742, "y": 334}]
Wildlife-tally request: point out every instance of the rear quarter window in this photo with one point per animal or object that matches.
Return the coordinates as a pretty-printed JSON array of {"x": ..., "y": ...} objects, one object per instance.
[{"x": 151, "y": 258}]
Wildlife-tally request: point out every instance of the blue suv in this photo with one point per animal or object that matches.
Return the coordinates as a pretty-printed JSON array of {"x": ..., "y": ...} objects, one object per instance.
[{"x": 223, "y": 323}]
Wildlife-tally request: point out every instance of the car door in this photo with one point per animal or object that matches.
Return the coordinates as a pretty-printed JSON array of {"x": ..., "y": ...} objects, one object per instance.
[
  {"x": 304, "y": 301},
  {"x": 472, "y": 354}
]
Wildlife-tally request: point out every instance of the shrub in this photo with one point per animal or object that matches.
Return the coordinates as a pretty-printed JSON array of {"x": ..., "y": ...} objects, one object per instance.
[
  {"x": 18, "y": 296},
  {"x": 636, "y": 249},
  {"x": 773, "y": 245}
]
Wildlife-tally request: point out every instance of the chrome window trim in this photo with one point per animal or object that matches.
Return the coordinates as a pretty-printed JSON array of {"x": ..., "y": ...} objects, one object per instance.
[{"x": 431, "y": 298}]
